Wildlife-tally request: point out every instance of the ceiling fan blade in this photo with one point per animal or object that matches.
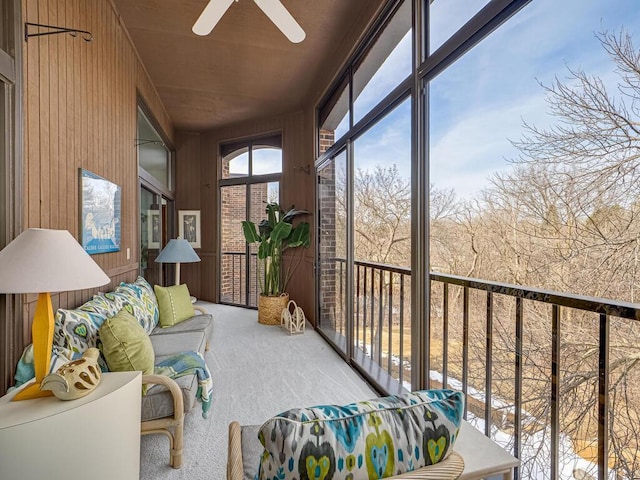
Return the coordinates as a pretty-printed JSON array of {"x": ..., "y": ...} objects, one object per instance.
[
  {"x": 279, "y": 15},
  {"x": 210, "y": 16}
]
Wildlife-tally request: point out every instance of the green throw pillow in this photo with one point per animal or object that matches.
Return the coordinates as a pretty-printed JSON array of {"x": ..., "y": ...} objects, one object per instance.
[
  {"x": 174, "y": 303},
  {"x": 125, "y": 345}
]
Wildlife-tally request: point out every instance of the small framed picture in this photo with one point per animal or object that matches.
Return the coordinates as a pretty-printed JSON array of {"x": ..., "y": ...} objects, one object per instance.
[
  {"x": 153, "y": 228},
  {"x": 189, "y": 226}
]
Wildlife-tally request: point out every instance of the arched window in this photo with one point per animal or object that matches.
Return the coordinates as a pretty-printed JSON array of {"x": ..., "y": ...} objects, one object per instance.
[{"x": 250, "y": 178}]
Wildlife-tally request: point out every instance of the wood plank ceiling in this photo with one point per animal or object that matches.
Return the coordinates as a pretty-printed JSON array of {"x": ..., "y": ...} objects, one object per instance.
[{"x": 246, "y": 68}]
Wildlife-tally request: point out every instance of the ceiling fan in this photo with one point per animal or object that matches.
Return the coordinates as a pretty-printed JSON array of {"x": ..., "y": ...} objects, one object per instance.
[{"x": 274, "y": 9}]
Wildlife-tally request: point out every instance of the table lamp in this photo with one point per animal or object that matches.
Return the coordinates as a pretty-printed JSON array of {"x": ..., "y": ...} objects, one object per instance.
[
  {"x": 43, "y": 261},
  {"x": 178, "y": 251}
]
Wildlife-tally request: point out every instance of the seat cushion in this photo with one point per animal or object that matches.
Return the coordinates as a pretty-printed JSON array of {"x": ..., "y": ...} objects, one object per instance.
[
  {"x": 170, "y": 344},
  {"x": 378, "y": 438},
  {"x": 198, "y": 323},
  {"x": 158, "y": 402}
]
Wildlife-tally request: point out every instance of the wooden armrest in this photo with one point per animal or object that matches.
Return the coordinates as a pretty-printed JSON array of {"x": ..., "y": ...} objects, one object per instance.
[
  {"x": 234, "y": 455},
  {"x": 449, "y": 469},
  {"x": 172, "y": 427},
  {"x": 174, "y": 388},
  {"x": 200, "y": 309}
]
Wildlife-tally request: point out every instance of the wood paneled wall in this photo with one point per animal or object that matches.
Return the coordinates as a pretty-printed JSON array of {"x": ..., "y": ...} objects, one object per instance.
[
  {"x": 80, "y": 110},
  {"x": 197, "y": 176}
]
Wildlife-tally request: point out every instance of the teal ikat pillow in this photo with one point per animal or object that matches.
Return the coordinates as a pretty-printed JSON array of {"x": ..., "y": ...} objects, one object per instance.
[
  {"x": 139, "y": 300},
  {"x": 374, "y": 439},
  {"x": 77, "y": 330}
]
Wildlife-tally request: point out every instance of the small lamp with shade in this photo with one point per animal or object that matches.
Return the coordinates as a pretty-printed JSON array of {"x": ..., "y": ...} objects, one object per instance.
[
  {"x": 43, "y": 261},
  {"x": 178, "y": 251}
]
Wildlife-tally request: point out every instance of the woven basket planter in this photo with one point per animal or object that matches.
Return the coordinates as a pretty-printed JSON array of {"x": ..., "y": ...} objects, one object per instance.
[{"x": 270, "y": 308}]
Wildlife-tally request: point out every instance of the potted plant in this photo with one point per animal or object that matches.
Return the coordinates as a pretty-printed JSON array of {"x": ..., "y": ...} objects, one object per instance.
[{"x": 274, "y": 236}]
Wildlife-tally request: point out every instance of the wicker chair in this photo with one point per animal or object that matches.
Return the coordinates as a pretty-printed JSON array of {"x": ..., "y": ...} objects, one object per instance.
[{"x": 449, "y": 469}]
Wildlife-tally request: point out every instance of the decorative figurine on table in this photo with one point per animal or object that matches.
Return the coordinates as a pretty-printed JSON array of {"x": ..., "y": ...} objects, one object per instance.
[{"x": 75, "y": 379}]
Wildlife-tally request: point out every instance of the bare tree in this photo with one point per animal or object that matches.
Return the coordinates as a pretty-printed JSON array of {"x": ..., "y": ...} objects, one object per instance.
[{"x": 566, "y": 218}]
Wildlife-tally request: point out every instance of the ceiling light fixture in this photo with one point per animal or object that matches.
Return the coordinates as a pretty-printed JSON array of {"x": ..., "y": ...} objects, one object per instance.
[{"x": 274, "y": 9}]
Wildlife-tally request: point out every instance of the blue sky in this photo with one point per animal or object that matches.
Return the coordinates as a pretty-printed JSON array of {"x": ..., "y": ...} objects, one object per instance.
[{"x": 480, "y": 102}]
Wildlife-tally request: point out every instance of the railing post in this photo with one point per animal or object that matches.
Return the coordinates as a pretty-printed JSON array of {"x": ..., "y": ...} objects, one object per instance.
[
  {"x": 380, "y": 309},
  {"x": 390, "y": 339},
  {"x": 373, "y": 311},
  {"x": 555, "y": 391},
  {"x": 517, "y": 445},
  {"x": 445, "y": 334},
  {"x": 603, "y": 399},
  {"x": 341, "y": 296},
  {"x": 401, "y": 329},
  {"x": 364, "y": 311},
  {"x": 488, "y": 366},
  {"x": 357, "y": 319},
  {"x": 465, "y": 348}
]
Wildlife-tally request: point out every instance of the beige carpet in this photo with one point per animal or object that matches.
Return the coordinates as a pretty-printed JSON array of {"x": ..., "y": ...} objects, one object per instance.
[{"x": 258, "y": 371}]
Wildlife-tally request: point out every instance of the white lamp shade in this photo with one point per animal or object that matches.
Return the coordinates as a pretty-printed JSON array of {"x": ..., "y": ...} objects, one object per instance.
[
  {"x": 42, "y": 260},
  {"x": 178, "y": 250}
]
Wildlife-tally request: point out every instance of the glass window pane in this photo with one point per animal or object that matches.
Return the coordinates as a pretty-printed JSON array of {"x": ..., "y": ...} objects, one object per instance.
[
  {"x": 153, "y": 155},
  {"x": 332, "y": 202},
  {"x": 233, "y": 264},
  {"x": 266, "y": 160},
  {"x": 382, "y": 243},
  {"x": 386, "y": 64},
  {"x": 236, "y": 164},
  {"x": 535, "y": 182},
  {"x": 447, "y": 16},
  {"x": 3, "y": 160}
]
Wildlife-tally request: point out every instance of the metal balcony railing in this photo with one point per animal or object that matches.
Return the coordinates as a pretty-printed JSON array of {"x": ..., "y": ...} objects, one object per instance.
[
  {"x": 237, "y": 287},
  {"x": 477, "y": 331},
  {"x": 466, "y": 315}
]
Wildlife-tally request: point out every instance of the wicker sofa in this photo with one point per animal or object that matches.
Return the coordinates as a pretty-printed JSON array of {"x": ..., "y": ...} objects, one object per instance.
[{"x": 166, "y": 400}]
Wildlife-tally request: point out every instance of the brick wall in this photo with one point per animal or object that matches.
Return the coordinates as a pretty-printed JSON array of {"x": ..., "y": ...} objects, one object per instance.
[{"x": 331, "y": 300}]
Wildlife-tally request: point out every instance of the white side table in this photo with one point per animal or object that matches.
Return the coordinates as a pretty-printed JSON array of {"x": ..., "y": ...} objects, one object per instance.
[
  {"x": 96, "y": 437},
  {"x": 482, "y": 457}
]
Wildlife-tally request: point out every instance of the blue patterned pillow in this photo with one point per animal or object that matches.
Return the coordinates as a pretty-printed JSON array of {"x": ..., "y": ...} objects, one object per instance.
[
  {"x": 135, "y": 300},
  {"x": 149, "y": 299},
  {"x": 100, "y": 305},
  {"x": 378, "y": 438},
  {"x": 77, "y": 330}
]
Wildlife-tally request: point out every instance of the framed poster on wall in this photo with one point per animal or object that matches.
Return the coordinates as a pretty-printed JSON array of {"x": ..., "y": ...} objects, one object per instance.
[
  {"x": 189, "y": 226},
  {"x": 100, "y": 213}
]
